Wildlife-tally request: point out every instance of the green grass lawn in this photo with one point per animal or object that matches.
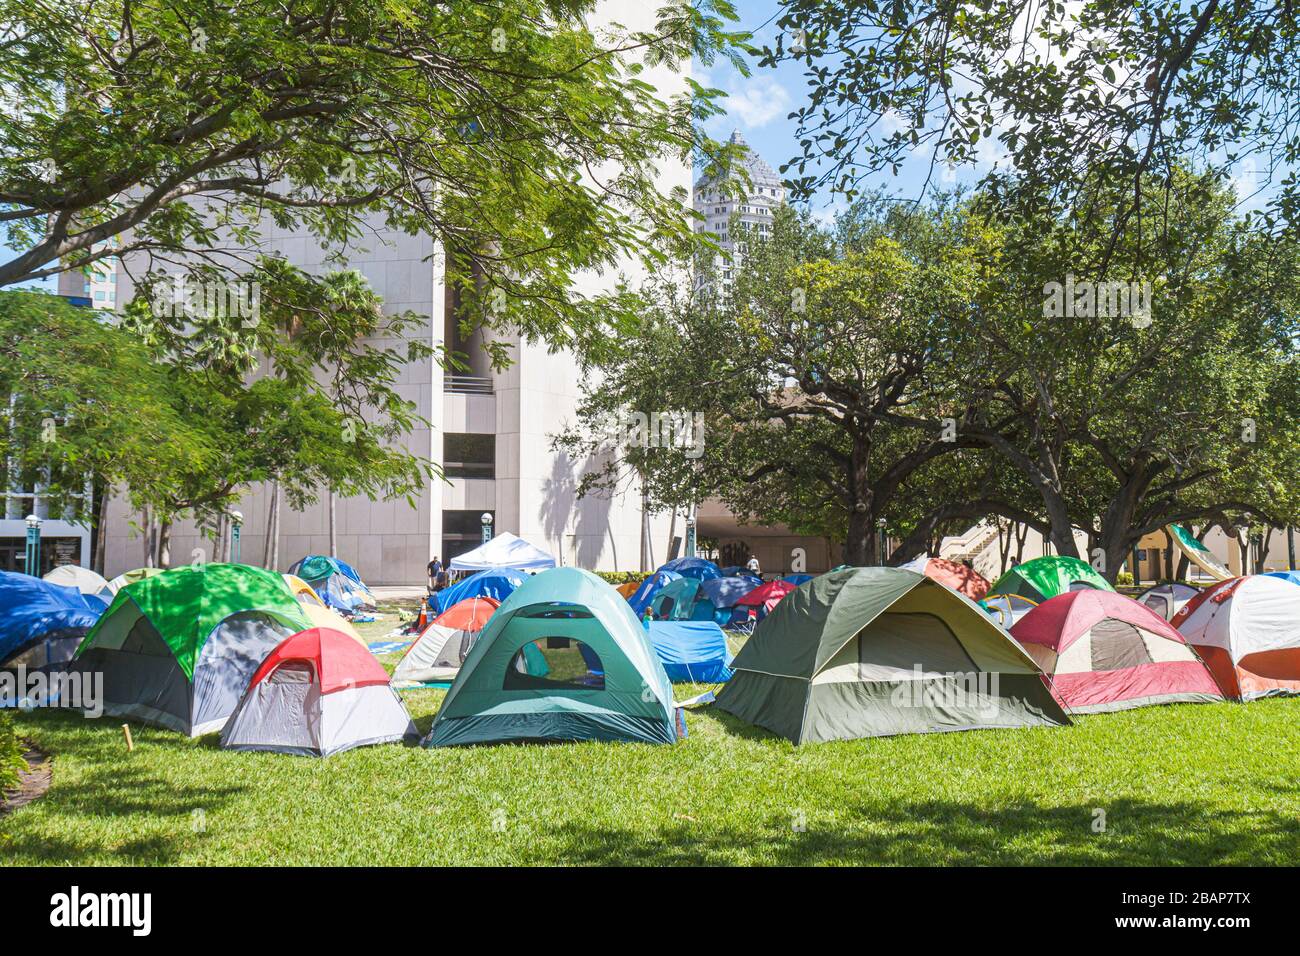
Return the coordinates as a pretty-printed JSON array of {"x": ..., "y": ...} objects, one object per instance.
[{"x": 1190, "y": 784}]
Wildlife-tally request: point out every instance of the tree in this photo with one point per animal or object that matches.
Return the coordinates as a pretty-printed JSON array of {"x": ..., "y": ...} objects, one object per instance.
[
  {"x": 794, "y": 369},
  {"x": 1112, "y": 408},
  {"x": 507, "y": 129},
  {"x": 85, "y": 403},
  {"x": 1080, "y": 95}
]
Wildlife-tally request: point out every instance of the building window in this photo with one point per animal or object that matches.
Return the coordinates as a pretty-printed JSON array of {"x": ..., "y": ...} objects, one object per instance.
[{"x": 469, "y": 455}]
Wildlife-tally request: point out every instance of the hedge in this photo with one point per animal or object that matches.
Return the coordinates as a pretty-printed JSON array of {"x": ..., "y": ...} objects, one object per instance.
[{"x": 622, "y": 577}]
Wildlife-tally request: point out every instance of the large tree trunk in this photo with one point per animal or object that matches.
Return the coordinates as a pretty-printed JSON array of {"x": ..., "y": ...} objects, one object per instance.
[{"x": 860, "y": 548}]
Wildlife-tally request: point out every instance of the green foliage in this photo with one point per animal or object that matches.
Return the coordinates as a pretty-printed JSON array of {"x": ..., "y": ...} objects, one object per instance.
[
  {"x": 11, "y": 754},
  {"x": 194, "y": 132},
  {"x": 1070, "y": 92},
  {"x": 87, "y": 400}
]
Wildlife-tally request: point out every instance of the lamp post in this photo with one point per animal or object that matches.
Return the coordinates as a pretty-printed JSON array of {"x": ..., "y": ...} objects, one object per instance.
[
  {"x": 33, "y": 556},
  {"x": 485, "y": 521},
  {"x": 880, "y": 539},
  {"x": 690, "y": 532},
  {"x": 236, "y": 522}
]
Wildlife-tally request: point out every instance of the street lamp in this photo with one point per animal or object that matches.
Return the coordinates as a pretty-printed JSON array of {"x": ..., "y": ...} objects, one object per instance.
[
  {"x": 236, "y": 522},
  {"x": 690, "y": 532},
  {"x": 880, "y": 538},
  {"x": 485, "y": 520},
  {"x": 33, "y": 556}
]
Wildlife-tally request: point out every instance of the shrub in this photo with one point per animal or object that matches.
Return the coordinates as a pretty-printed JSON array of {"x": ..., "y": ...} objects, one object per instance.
[
  {"x": 11, "y": 754},
  {"x": 1124, "y": 579},
  {"x": 622, "y": 577}
]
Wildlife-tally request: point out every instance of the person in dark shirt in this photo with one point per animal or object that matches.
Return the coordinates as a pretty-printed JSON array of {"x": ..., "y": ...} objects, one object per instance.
[{"x": 435, "y": 573}]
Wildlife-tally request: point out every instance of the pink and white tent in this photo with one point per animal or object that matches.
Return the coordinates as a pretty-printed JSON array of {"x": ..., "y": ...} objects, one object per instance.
[{"x": 1104, "y": 651}]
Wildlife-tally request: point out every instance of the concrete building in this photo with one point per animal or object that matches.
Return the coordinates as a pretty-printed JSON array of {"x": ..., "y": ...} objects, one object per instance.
[
  {"x": 490, "y": 431},
  {"x": 96, "y": 285}
]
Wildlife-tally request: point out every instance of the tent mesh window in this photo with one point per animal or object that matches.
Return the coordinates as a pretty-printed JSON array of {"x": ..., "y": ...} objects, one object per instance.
[
  {"x": 293, "y": 672},
  {"x": 1117, "y": 645},
  {"x": 574, "y": 666}
]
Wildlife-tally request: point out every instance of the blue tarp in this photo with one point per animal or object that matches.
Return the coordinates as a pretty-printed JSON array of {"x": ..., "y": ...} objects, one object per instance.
[
  {"x": 499, "y": 584},
  {"x": 697, "y": 568},
  {"x": 641, "y": 598},
  {"x": 692, "y": 650},
  {"x": 797, "y": 579},
  {"x": 725, "y": 592},
  {"x": 1292, "y": 576},
  {"x": 32, "y": 610}
]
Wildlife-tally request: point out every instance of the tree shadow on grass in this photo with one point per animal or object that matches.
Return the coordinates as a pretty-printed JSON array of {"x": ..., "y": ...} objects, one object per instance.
[
  {"x": 109, "y": 792},
  {"x": 950, "y": 833}
]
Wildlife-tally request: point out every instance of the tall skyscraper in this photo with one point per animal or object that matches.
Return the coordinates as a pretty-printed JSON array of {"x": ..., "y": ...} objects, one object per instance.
[{"x": 752, "y": 207}]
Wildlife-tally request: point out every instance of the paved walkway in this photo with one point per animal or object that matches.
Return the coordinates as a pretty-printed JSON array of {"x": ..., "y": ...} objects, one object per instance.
[{"x": 412, "y": 592}]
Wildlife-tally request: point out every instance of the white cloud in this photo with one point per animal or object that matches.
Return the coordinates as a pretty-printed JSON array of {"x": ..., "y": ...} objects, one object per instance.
[{"x": 757, "y": 101}]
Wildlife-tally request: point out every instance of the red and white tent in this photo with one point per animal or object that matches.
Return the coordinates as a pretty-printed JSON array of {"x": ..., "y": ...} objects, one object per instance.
[
  {"x": 1104, "y": 651},
  {"x": 318, "y": 693},
  {"x": 960, "y": 578},
  {"x": 1248, "y": 632},
  {"x": 436, "y": 655},
  {"x": 766, "y": 596}
]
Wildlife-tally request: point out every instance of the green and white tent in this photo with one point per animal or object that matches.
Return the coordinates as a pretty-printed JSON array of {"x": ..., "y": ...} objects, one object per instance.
[
  {"x": 1048, "y": 576},
  {"x": 178, "y": 648},
  {"x": 872, "y": 652},
  {"x": 603, "y": 680}
]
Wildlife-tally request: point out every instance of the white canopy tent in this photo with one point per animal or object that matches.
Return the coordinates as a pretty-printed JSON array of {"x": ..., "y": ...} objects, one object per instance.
[{"x": 506, "y": 550}]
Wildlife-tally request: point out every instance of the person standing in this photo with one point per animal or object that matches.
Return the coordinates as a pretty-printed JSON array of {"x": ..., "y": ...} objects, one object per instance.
[
  {"x": 435, "y": 574},
  {"x": 752, "y": 566}
]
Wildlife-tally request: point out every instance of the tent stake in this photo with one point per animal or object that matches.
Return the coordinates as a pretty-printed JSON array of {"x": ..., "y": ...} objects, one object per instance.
[{"x": 126, "y": 732}]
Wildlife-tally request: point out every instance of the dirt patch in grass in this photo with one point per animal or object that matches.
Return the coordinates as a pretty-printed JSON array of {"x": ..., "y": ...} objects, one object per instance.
[{"x": 32, "y": 782}]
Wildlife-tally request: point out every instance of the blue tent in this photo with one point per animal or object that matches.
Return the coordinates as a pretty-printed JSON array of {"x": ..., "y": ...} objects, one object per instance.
[
  {"x": 335, "y": 582},
  {"x": 697, "y": 568},
  {"x": 1292, "y": 576},
  {"x": 498, "y": 584},
  {"x": 42, "y": 622},
  {"x": 725, "y": 592},
  {"x": 651, "y": 586},
  {"x": 692, "y": 650},
  {"x": 797, "y": 579}
]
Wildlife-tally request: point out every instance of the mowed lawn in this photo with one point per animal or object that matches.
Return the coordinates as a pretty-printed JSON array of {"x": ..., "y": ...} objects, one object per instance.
[{"x": 1207, "y": 784}]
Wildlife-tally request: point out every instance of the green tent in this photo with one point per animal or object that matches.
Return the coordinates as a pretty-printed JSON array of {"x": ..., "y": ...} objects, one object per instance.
[
  {"x": 869, "y": 652},
  {"x": 603, "y": 680},
  {"x": 1046, "y": 577},
  {"x": 178, "y": 648}
]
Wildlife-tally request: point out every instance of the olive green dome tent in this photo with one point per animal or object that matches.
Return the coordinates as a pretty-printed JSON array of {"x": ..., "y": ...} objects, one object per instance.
[
  {"x": 603, "y": 680},
  {"x": 1048, "y": 576},
  {"x": 178, "y": 648},
  {"x": 872, "y": 652}
]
